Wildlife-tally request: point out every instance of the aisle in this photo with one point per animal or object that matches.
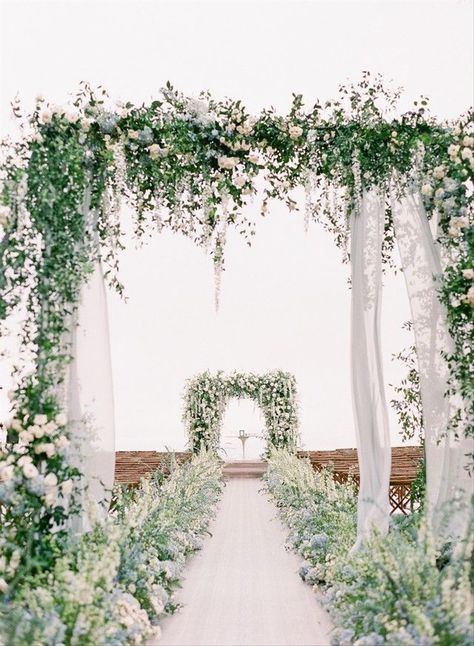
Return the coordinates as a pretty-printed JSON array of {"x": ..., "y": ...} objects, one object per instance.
[{"x": 243, "y": 588}]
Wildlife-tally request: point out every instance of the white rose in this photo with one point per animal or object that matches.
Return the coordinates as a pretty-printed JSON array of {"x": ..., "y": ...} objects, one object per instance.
[
  {"x": 132, "y": 134},
  {"x": 51, "y": 480},
  {"x": 155, "y": 151},
  {"x": 254, "y": 157},
  {"x": 51, "y": 497},
  {"x": 66, "y": 487},
  {"x": 466, "y": 153},
  {"x": 468, "y": 273},
  {"x": 50, "y": 427},
  {"x": 30, "y": 471},
  {"x": 239, "y": 181},
  {"x": 61, "y": 442},
  {"x": 25, "y": 459},
  {"x": 427, "y": 190},
  {"x": 45, "y": 116},
  {"x": 227, "y": 162},
  {"x": 6, "y": 472},
  {"x": 40, "y": 420},
  {"x": 439, "y": 193},
  {"x": 15, "y": 424},
  {"x": 38, "y": 431},
  {"x": 26, "y": 437},
  {"x": 47, "y": 448},
  {"x": 295, "y": 131},
  {"x": 439, "y": 172},
  {"x": 468, "y": 141},
  {"x": 453, "y": 150},
  {"x": 61, "y": 419},
  {"x": 72, "y": 116},
  {"x": 4, "y": 215},
  {"x": 3, "y": 585},
  {"x": 37, "y": 137}
]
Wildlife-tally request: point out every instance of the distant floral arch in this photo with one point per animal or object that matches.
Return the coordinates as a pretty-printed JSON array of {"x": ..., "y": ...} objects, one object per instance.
[{"x": 207, "y": 395}]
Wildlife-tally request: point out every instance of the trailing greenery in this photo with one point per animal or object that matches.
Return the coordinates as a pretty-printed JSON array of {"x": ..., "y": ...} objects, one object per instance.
[
  {"x": 112, "y": 585},
  {"x": 206, "y": 396},
  {"x": 397, "y": 590},
  {"x": 191, "y": 165}
]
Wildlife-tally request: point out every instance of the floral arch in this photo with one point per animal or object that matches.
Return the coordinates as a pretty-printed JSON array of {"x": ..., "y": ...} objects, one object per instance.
[
  {"x": 369, "y": 175},
  {"x": 206, "y": 396}
]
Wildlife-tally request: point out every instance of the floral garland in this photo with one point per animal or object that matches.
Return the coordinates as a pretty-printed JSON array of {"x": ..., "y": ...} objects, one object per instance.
[
  {"x": 206, "y": 397},
  {"x": 191, "y": 165}
]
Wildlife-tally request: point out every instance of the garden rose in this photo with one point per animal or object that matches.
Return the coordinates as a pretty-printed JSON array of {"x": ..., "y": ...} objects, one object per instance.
[
  {"x": 427, "y": 190},
  {"x": 66, "y": 487},
  {"x": 15, "y": 424},
  {"x": 40, "y": 420},
  {"x": 4, "y": 215},
  {"x": 133, "y": 134},
  {"x": 61, "y": 442},
  {"x": 439, "y": 172},
  {"x": 47, "y": 448},
  {"x": 51, "y": 497},
  {"x": 469, "y": 297},
  {"x": 295, "y": 131},
  {"x": 466, "y": 153},
  {"x": 26, "y": 437},
  {"x": 227, "y": 162},
  {"x": 30, "y": 471},
  {"x": 3, "y": 585},
  {"x": 468, "y": 141},
  {"x": 61, "y": 419},
  {"x": 6, "y": 472},
  {"x": 50, "y": 427},
  {"x": 155, "y": 151},
  {"x": 453, "y": 150},
  {"x": 45, "y": 116},
  {"x": 239, "y": 181},
  {"x": 51, "y": 480},
  {"x": 468, "y": 273}
]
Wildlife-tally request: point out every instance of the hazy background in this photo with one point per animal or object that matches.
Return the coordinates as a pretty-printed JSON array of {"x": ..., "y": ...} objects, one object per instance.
[{"x": 285, "y": 301}]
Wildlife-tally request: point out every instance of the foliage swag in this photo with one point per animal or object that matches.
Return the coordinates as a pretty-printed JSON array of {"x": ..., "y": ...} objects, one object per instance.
[{"x": 206, "y": 397}]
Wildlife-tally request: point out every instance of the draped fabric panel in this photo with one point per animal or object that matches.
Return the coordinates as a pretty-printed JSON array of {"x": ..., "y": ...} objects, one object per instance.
[
  {"x": 370, "y": 408},
  {"x": 448, "y": 483}
]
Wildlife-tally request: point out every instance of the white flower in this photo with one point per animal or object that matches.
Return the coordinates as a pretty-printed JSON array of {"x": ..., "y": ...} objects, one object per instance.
[
  {"x": 468, "y": 273},
  {"x": 439, "y": 172},
  {"x": 47, "y": 448},
  {"x": 45, "y": 116},
  {"x": 227, "y": 162},
  {"x": 439, "y": 194},
  {"x": 40, "y": 420},
  {"x": 427, "y": 190},
  {"x": 62, "y": 442},
  {"x": 66, "y": 487},
  {"x": 3, "y": 585},
  {"x": 51, "y": 480},
  {"x": 469, "y": 297},
  {"x": 453, "y": 150},
  {"x": 15, "y": 424},
  {"x": 50, "y": 427},
  {"x": 25, "y": 459},
  {"x": 61, "y": 419},
  {"x": 239, "y": 181},
  {"x": 38, "y": 431},
  {"x": 155, "y": 151},
  {"x": 6, "y": 472},
  {"x": 72, "y": 116},
  {"x": 30, "y": 471},
  {"x": 132, "y": 134},
  {"x": 468, "y": 141},
  {"x": 37, "y": 137},
  {"x": 26, "y": 437},
  {"x": 4, "y": 215},
  {"x": 295, "y": 131},
  {"x": 466, "y": 153},
  {"x": 51, "y": 497},
  {"x": 57, "y": 109},
  {"x": 254, "y": 157}
]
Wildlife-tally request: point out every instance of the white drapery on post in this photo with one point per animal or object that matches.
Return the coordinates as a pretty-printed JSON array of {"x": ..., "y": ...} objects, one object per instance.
[
  {"x": 370, "y": 408},
  {"x": 448, "y": 485},
  {"x": 88, "y": 394}
]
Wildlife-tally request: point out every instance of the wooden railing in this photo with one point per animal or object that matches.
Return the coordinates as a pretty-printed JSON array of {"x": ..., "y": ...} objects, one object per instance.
[{"x": 405, "y": 464}]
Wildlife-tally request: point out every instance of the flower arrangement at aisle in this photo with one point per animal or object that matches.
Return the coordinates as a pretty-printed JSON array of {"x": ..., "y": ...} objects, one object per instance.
[
  {"x": 113, "y": 584},
  {"x": 206, "y": 396},
  {"x": 397, "y": 590}
]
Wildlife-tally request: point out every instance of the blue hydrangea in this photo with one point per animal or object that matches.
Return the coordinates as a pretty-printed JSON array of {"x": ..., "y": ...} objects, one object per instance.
[
  {"x": 107, "y": 122},
  {"x": 145, "y": 136},
  {"x": 319, "y": 542}
]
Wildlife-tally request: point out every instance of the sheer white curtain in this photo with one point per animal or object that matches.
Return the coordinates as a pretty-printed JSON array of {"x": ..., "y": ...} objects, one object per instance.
[
  {"x": 448, "y": 484},
  {"x": 88, "y": 397},
  {"x": 370, "y": 408}
]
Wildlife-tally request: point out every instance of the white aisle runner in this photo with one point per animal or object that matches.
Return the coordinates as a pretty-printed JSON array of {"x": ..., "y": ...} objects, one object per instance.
[{"x": 243, "y": 588}]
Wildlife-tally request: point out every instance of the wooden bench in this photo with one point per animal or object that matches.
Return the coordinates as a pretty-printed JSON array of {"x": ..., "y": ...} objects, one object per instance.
[{"x": 344, "y": 463}]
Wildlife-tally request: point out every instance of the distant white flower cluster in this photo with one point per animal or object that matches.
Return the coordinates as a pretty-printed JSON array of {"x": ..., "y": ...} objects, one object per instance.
[{"x": 206, "y": 397}]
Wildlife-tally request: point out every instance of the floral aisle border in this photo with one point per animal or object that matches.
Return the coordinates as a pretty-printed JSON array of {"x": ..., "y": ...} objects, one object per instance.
[
  {"x": 206, "y": 397},
  {"x": 191, "y": 165},
  {"x": 398, "y": 591},
  {"x": 142, "y": 549}
]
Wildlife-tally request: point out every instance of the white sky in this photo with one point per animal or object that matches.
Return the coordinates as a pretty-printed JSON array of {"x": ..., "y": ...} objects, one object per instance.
[{"x": 285, "y": 302}]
